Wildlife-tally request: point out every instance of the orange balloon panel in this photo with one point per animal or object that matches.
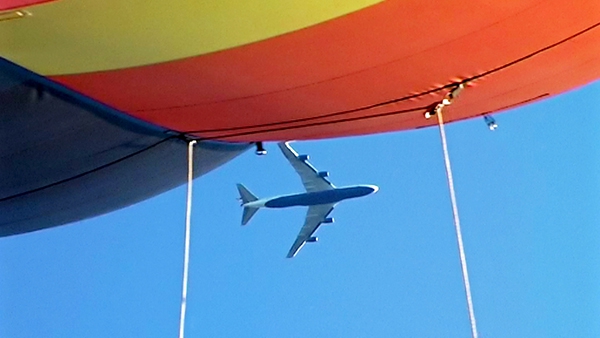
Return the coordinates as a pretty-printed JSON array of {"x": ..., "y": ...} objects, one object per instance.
[
  {"x": 375, "y": 70},
  {"x": 7, "y": 5}
]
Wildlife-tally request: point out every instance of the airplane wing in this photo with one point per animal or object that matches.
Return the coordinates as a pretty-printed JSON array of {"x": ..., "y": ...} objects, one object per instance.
[
  {"x": 314, "y": 217},
  {"x": 311, "y": 178}
]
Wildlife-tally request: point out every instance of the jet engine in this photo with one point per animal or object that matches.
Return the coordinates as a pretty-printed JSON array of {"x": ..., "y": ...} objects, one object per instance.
[
  {"x": 303, "y": 157},
  {"x": 323, "y": 174},
  {"x": 312, "y": 239},
  {"x": 328, "y": 220}
]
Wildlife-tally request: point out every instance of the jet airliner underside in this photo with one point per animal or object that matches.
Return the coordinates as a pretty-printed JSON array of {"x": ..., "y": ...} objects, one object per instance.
[{"x": 321, "y": 197}]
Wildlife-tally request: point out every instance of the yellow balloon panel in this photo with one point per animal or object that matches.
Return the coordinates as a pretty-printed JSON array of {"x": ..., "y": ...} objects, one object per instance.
[{"x": 79, "y": 36}]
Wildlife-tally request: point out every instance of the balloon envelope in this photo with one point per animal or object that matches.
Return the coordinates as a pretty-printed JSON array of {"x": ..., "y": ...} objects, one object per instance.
[{"x": 136, "y": 73}]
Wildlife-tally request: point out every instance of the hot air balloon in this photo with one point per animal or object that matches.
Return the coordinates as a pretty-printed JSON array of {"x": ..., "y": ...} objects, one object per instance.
[{"x": 100, "y": 97}]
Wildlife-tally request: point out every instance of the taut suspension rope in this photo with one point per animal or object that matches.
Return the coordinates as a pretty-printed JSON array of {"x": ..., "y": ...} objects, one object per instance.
[
  {"x": 461, "y": 249},
  {"x": 186, "y": 255}
]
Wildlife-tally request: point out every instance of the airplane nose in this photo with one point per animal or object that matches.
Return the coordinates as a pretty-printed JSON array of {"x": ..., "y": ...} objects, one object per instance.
[{"x": 374, "y": 188}]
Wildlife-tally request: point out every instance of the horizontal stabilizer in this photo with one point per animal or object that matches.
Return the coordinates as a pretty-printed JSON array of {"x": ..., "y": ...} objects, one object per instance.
[
  {"x": 247, "y": 215},
  {"x": 245, "y": 194}
]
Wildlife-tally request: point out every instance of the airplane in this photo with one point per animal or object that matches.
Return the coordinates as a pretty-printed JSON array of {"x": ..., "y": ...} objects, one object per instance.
[{"x": 321, "y": 197}]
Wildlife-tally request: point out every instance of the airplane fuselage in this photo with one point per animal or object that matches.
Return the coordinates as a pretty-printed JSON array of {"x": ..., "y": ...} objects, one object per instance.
[{"x": 316, "y": 198}]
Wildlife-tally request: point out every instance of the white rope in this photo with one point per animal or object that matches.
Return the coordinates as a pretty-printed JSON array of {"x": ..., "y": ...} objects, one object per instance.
[
  {"x": 186, "y": 255},
  {"x": 461, "y": 249}
]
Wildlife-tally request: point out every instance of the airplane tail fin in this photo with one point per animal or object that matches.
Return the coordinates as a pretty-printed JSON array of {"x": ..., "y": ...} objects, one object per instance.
[{"x": 246, "y": 196}]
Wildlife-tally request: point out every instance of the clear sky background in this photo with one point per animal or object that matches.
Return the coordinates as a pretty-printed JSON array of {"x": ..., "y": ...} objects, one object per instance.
[{"x": 529, "y": 199}]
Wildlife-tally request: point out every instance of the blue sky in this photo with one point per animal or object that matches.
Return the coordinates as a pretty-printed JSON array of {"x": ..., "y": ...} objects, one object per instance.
[{"x": 528, "y": 195}]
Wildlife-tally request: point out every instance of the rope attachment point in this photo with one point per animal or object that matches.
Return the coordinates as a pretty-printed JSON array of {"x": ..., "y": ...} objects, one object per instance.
[{"x": 446, "y": 101}]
